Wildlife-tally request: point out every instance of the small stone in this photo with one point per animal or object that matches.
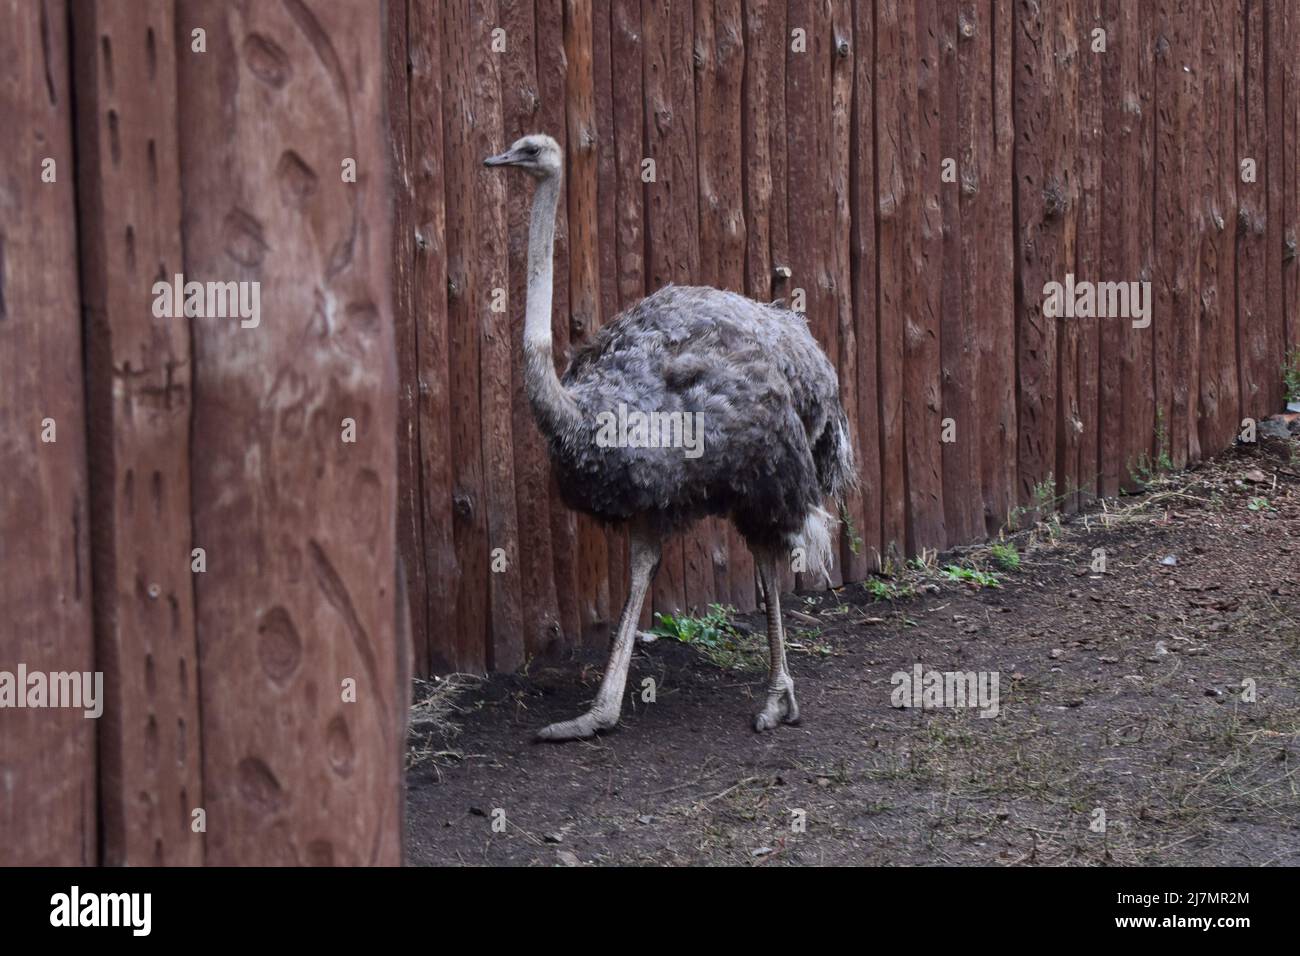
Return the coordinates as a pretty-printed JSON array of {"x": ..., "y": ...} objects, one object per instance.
[
  {"x": 1109, "y": 660},
  {"x": 552, "y": 838},
  {"x": 646, "y": 819},
  {"x": 1169, "y": 561},
  {"x": 761, "y": 851},
  {"x": 567, "y": 858},
  {"x": 1055, "y": 652}
]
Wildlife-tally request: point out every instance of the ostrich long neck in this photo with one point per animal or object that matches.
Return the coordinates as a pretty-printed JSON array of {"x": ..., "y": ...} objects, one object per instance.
[{"x": 553, "y": 406}]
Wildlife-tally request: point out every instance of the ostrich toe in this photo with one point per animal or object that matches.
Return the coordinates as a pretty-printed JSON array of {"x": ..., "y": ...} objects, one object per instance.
[
  {"x": 579, "y": 728},
  {"x": 781, "y": 707}
]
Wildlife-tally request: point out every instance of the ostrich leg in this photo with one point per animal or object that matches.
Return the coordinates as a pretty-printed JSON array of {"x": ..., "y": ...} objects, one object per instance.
[
  {"x": 645, "y": 551},
  {"x": 780, "y": 704}
]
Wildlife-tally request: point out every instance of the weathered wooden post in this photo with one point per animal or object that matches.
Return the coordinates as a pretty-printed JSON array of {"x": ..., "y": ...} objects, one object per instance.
[
  {"x": 284, "y": 171},
  {"x": 138, "y": 391},
  {"x": 47, "y": 755}
]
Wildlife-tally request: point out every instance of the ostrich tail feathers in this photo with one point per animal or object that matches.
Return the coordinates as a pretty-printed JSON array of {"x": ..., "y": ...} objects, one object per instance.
[
  {"x": 833, "y": 455},
  {"x": 814, "y": 540}
]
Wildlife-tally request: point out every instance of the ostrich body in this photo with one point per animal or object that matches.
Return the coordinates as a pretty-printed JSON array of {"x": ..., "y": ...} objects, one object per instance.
[{"x": 770, "y": 439}]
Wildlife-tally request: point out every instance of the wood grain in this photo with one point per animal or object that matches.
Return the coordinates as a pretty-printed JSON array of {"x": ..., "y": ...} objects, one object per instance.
[
  {"x": 138, "y": 376},
  {"x": 299, "y": 525}
]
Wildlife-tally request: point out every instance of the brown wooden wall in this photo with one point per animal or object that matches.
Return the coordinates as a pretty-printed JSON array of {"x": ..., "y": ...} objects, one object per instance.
[
  {"x": 1122, "y": 165},
  {"x": 815, "y": 171},
  {"x": 223, "y": 689}
]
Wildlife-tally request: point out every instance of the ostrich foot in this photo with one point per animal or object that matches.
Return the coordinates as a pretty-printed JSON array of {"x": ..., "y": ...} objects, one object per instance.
[
  {"x": 579, "y": 728},
  {"x": 781, "y": 707}
]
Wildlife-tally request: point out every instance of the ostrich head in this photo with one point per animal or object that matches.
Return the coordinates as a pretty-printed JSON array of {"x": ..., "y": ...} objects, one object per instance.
[{"x": 536, "y": 154}]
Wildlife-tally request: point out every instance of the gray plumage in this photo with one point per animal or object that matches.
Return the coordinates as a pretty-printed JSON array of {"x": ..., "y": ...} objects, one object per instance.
[{"x": 773, "y": 441}]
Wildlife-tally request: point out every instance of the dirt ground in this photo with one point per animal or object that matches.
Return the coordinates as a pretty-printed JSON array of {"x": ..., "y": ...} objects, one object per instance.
[{"x": 1120, "y": 691}]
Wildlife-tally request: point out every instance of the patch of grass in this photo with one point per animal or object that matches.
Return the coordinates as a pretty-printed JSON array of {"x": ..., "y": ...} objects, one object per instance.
[
  {"x": 1291, "y": 375},
  {"x": 1043, "y": 501},
  {"x": 973, "y": 576},
  {"x": 1147, "y": 469},
  {"x": 809, "y": 642},
  {"x": 1259, "y": 504},
  {"x": 712, "y": 634},
  {"x": 881, "y": 590},
  {"x": 1005, "y": 555},
  {"x": 850, "y": 531}
]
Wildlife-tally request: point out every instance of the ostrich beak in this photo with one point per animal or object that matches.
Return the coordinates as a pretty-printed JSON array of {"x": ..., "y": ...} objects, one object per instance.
[{"x": 501, "y": 159}]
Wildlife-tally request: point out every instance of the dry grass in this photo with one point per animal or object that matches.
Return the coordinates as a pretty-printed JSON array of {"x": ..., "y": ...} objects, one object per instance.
[{"x": 432, "y": 725}]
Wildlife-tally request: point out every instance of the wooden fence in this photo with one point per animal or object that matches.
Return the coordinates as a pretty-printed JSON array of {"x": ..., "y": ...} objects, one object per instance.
[
  {"x": 212, "y": 515},
  {"x": 918, "y": 170},
  {"x": 129, "y": 440}
]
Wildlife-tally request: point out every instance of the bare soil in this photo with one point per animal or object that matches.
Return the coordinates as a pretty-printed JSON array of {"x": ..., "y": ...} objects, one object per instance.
[{"x": 1121, "y": 691}]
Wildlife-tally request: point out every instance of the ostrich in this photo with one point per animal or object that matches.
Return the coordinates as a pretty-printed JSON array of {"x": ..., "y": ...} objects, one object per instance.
[{"x": 775, "y": 440}]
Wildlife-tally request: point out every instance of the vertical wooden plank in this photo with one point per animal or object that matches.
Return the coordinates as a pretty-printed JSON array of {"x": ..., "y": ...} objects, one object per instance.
[
  {"x": 1178, "y": 225},
  {"x": 699, "y": 542},
  {"x": 47, "y": 756},
  {"x": 778, "y": 156},
  {"x": 996, "y": 269},
  {"x": 542, "y": 628},
  {"x": 1063, "y": 150},
  {"x": 1218, "y": 399},
  {"x": 719, "y": 63},
  {"x": 1138, "y": 39},
  {"x": 709, "y": 123},
  {"x": 490, "y": 319},
  {"x": 607, "y": 194},
  {"x": 1290, "y": 59},
  {"x": 667, "y": 239},
  {"x": 810, "y": 198},
  {"x": 763, "y": 149},
  {"x": 584, "y": 277},
  {"x": 1045, "y": 206},
  {"x": 895, "y": 154},
  {"x": 862, "y": 191},
  {"x": 960, "y": 81},
  {"x": 854, "y": 559},
  {"x": 552, "y": 79},
  {"x": 445, "y": 644},
  {"x": 469, "y": 509},
  {"x": 410, "y": 489},
  {"x": 1117, "y": 123},
  {"x": 627, "y": 58},
  {"x": 1093, "y": 143},
  {"x": 1277, "y": 57},
  {"x": 298, "y": 524},
  {"x": 803, "y": 201},
  {"x": 921, "y": 346},
  {"x": 1127, "y": 415},
  {"x": 1187, "y": 389},
  {"x": 735, "y": 575},
  {"x": 138, "y": 383},
  {"x": 1252, "y": 216},
  {"x": 731, "y": 73}
]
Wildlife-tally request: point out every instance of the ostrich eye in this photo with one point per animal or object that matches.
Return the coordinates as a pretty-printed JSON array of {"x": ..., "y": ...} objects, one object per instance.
[{"x": 532, "y": 150}]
